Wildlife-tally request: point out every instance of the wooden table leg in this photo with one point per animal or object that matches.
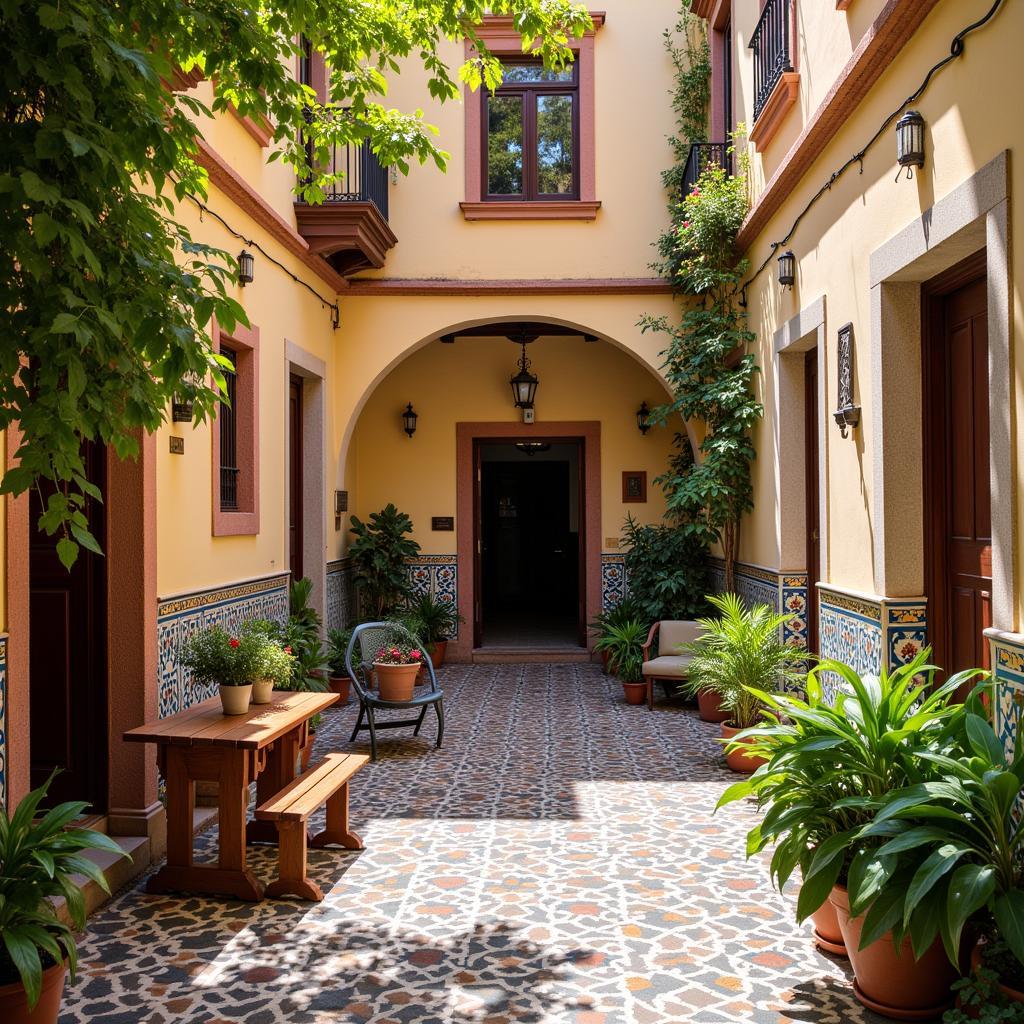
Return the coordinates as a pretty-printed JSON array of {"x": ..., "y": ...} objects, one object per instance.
[
  {"x": 279, "y": 771},
  {"x": 181, "y": 794},
  {"x": 291, "y": 865},
  {"x": 337, "y": 831}
]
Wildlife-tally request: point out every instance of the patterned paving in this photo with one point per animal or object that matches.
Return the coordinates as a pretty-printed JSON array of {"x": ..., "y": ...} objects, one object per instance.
[{"x": 557, "y": 861}]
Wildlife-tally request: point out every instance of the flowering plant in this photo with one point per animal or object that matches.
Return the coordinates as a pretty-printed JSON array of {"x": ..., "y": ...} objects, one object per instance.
[
  {"x": 273, "y": 661},
  {"x": 215, "y": 656},
  {"x": 398, "y": 654}
]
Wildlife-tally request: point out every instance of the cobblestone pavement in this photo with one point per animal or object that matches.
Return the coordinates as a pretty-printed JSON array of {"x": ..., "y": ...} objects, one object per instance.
[{"x": 558, "y": 861}]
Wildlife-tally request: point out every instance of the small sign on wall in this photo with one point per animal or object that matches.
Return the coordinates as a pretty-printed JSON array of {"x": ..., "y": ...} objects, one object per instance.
[
  {"x": 177, "y": 445},
  {"x": 634, "y": 486},
  {"x": 442, "y": 524}
]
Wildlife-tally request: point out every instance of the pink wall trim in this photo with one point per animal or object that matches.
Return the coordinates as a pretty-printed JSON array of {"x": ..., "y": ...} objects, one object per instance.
[
  {"x": 246, "y": 521},
  {"x": 16, "y": 514},
  {"x": 589, "y": 431},
  {"x": 502, "y": 40}
]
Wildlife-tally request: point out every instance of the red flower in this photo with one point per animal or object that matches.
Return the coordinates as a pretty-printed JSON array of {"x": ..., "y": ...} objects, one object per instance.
[
  {"x": 415, "y": 655},
  {"x": 233, "y": 642},
  {"x": 288, "y": 650}
]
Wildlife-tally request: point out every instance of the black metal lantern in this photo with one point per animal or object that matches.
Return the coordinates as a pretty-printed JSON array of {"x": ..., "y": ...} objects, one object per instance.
[
  {"x": 246, "y": 266},
  {"x": 643, "y": 418},
  {"x": 910, "y": 142},
  {"x": 409, "y": 418},
  {"x": 524, "y": 384},
  {"x": 787, "y": 269}
]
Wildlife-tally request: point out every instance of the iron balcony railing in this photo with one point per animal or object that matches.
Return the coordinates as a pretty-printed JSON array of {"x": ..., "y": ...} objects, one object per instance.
[
  {"x": 362, "y": 178},
  {"x": 770, "y": 43},
  {"x": 703, "y": 155}
]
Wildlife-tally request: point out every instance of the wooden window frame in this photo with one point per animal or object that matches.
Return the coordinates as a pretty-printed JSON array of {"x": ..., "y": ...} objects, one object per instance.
[
  {"x": 245, "y": 520},
  {"x": 529, "y": 93},
  {"x": 502, "y": 40}
]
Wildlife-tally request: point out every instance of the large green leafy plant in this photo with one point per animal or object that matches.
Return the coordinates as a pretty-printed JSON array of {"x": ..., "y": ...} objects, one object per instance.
[
  {"x": 38, "y": 862},
  {"x": 666, "y": 566},
  {"x": 379, "y": 552},
  {"x": 105, "y": 298},
  {"x": 741, "y": 656}
]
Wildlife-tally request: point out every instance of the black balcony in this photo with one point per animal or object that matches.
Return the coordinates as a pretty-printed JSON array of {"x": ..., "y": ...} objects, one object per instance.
[
  {"x": 350, "y": 227},
  {"x": 770, "y": 43},
  {"x": 702, "y": 156}
]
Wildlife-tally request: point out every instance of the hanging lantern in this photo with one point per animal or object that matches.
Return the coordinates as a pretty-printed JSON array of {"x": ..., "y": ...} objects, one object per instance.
[
  {"x": 643, "y": 418},
  {"x": 409, "y": 418},
  {"x": 246, "y": 266},
  {"x": 910, "y": 142},
  {"x": 524, "y": 384},
  {"x": 787, "y": 269}
]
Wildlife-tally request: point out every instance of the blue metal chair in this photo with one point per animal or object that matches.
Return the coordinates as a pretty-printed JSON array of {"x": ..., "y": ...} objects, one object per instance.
[{"x": 370, "y": 637}]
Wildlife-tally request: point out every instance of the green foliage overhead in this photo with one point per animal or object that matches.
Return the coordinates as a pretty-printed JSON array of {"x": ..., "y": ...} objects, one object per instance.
[
  {"x": 379, "y": 551},
  {"x": 105, "y": 298}
]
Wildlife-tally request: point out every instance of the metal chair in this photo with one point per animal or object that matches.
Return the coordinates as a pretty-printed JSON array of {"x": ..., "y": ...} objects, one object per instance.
[{"x": 370, "y": 637}]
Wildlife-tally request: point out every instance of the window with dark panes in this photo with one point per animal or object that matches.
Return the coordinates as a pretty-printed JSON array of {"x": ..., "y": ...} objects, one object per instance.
[
  {"x": 227, "y": 417},
  {"x": 531, "y": 128}
]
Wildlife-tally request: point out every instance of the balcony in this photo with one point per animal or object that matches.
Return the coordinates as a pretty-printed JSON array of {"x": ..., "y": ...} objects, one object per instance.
[
  {"x": 775, "y": 81},
  {"x": 703, "y": 155},
  {"x": 350, "y": 228}
]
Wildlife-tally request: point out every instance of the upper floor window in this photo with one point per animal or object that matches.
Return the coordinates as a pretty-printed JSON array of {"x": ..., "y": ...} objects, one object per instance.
[
  {"x": 770, "y": 43},
  {"x": 227, "y": 417},
  {"x": 531, "y": 129}
]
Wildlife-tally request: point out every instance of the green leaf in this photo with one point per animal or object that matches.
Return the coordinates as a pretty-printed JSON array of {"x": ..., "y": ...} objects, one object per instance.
[
  {"x": 67, "y": 552},
  {"x": 970, "y": 887},
  {"x": 1008, "y": 910},
  {"x": 816, "y": 888},
  {"x": 984, "y": 741},
  {"x": 936, "y": 864},
  {"x": 25, "y": 957}
]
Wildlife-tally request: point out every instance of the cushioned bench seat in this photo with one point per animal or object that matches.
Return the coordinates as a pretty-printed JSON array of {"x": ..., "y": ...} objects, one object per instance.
[{"x": 669, "y": 664}]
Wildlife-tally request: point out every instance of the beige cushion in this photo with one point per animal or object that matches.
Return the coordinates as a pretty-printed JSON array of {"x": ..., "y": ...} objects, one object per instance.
[
  {"x": 672, "y": 634},
  {"x": 668, "y": 667}
]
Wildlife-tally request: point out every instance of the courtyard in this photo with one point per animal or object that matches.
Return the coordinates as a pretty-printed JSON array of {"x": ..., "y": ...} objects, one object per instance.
[{"x": 558, "y": 860}]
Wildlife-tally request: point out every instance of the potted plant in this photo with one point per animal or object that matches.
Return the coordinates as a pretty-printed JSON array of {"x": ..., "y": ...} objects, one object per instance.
[
  {"x": 625, "y": 646},
  {"x": 434, "y": 622},
  {"x": 615, "y": 616},
  {"x": 981, "y": 999},
  {"x": 396, "y": 666},
  {"x": 337, "y": 646},
  {"x": 40, "y": 857},
  {"x": 214, "y": 656},
  {"x": 379, "y": 553},
  {"x": 273, "y": 665},
  {"x": 739, "y": 655},
  {"x": 830, "y": 765}
]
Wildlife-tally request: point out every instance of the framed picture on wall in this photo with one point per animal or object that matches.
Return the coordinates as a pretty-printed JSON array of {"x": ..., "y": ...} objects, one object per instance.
[{"x": 634, "y": 485}]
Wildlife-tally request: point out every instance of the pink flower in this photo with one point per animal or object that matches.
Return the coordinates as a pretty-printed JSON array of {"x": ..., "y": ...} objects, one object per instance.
[
  {"x": 415, "y": 655},
  {"x": 686, "y": 223},
  {"x": 695, "y": 191},
  {"x": 233, "y": 642},
  {"x": 288, "y": 650}
]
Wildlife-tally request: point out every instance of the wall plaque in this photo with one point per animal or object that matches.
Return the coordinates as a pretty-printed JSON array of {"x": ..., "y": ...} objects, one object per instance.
[
  {"x": 443, "y": 523},
  {"x": 177, "y": 445}
]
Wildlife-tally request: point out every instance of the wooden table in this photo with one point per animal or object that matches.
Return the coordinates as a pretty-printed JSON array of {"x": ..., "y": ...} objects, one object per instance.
[{"x": 203, "y": 744}]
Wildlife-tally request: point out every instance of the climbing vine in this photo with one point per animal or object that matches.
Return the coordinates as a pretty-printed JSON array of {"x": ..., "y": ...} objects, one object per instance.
[{"x": 707, "y": 361}]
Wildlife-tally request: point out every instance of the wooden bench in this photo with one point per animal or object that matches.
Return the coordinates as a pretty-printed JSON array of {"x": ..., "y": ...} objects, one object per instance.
[{"x": 291, "y": 808}]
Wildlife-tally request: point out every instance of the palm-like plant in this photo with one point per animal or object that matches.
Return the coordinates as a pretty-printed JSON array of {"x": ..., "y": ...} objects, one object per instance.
[
  {"x": 741, "y": 655},
  {"x": 37, "y": 862},
  {"x": 625, "y": 646}
]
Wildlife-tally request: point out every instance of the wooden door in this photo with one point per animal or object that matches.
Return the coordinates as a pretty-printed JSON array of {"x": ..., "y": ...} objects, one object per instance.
[
  {"x": 478, "y": 544},
  {"x": 811, "y": 433},
  {"x": 958, "y": 508},
  {"x": 295, "y": 476},
  {"x": 581, "y": 558},
  {"x": 68, "y": 657}
]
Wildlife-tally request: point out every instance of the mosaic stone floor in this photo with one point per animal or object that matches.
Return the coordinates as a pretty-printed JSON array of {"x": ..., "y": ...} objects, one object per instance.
[{"x": 557, "y": 862}]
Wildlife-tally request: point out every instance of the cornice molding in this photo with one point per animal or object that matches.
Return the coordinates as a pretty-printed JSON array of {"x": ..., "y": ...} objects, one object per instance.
[
  {"x": 888, "y": 34},
  {"x": 513, "y": 286},
  {"x": 500, "y": 29},
  {"x": 557, "y": 209},
  {"x": 242, "y": 194}
]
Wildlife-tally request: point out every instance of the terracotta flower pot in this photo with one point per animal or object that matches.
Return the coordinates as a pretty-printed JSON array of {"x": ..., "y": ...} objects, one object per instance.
[
  {"x": 341, "y": 686},
  {"x": 396, "y": 682},
  {"x": 263, "y": 691},
  {"x": 306, "y": 752},
  {"x": 636, "y": 693},
  {"x": 437, "y": 652},
  {"x": 736, "y": 759},
  {"x": 604, "y": 662},
  {"x": 14, "y": 1003},
  {"x": 889, "y": 980},
  {"x": 709, "y": 707},
  {"x": 828, "y": 936},
  {"x": 1012, "y": 994},
  {"x": 235, "y": 699}
]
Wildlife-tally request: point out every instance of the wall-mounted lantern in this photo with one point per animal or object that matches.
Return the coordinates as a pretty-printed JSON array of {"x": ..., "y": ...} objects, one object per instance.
[
  {"x": 409, "y": 418},
  {"x": 524, "y": 384},
  {"x": 787, "y": 269},
  {"x": 246, "y": 266},
  {"x": 910, "y": 142},
  {"x": 181, "y": 409},
  {"x": 643, "y": 418},
  {"x": 848, "y": 414}
]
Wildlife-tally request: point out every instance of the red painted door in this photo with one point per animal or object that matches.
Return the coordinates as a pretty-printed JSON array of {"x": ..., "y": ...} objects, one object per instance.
[
  {"x": 960, "y": 592},
  {"x": 68, "y": 658}
]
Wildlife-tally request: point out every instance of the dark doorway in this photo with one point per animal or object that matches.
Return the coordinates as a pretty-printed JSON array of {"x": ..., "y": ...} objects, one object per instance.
[
  {"x": 813, "y": 512},
  {"x": 530, "y": 542},
  {"x": 958, "y": 497},
  {"x": 68, "y": 656},
  {"x": 295, "y": 476}
]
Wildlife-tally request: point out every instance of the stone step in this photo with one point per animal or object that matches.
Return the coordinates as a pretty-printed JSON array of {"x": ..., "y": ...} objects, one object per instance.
[{"x": 529, "y": 655}]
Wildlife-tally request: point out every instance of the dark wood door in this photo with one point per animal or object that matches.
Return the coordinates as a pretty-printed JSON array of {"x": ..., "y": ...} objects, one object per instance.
[
  {"x": 958, "y": 493},
  {"x": 295, "y": 476},
  {"x": 68, "y": 657},
  {"x": 811, "y": 429}
]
